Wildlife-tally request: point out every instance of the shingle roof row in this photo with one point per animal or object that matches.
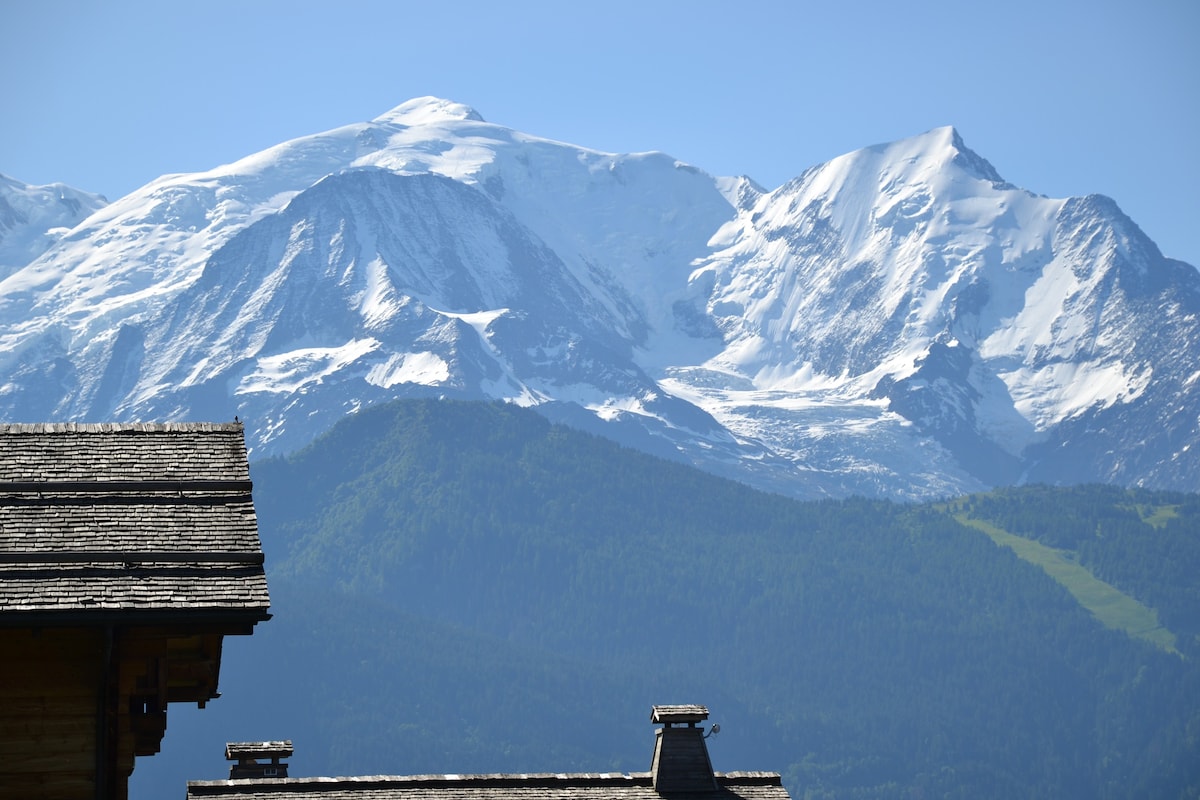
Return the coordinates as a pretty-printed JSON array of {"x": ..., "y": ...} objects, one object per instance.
[
  {"x": 116, "y": 452},
  {"x": 132, "y": 587},
  {"x": 214, "y": 524}
]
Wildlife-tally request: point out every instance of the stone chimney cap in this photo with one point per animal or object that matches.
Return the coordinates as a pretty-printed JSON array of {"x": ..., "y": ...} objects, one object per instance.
[
  {"x": 243, "y": 750},
  {"x": 673, "y": 714}
]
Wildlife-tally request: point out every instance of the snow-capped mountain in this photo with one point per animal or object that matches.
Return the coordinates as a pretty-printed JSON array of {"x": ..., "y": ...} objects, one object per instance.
[
  {"x": 906, "y": 294},
  {"x": 898, "y": 321}
]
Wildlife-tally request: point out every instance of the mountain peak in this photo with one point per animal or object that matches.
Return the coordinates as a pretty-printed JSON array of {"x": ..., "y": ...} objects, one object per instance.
[
  {"x": 972, "y": 161},
  {"x": 942, "y": 145},
  {"x": 424, "y": 110}
]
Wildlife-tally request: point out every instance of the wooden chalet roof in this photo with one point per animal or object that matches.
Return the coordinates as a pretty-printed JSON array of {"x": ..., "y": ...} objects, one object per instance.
[
  {"x": 127, "y": 521},
  {"x": 586, "y": 786}
]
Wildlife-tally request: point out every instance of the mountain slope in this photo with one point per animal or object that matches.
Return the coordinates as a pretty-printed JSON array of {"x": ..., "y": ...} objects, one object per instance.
[
  {"x": 897, "y": 322},
  {"x": 366, "y": 281},
  {"x": 33, "y": 218}
]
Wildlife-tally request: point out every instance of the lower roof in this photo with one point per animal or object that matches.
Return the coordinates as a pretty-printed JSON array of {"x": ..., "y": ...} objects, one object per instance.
[{"x": 538, "y": 786}]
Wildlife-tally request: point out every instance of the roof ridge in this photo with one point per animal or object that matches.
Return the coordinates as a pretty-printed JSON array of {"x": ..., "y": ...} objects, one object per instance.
[
  {"x": 120, "y": 427},
  {"x": 495, "y": 779}
]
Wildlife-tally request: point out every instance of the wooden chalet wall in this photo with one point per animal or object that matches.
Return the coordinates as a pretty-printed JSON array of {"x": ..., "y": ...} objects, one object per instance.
[{"x": 49, "y": 691}]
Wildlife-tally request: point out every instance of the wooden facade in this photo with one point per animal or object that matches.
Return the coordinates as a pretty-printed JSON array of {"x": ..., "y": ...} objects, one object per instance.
[{"x": 127, "y": 554}]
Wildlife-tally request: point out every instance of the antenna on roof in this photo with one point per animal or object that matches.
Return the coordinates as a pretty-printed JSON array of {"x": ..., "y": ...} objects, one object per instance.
[{"x": 716, "y": 728}]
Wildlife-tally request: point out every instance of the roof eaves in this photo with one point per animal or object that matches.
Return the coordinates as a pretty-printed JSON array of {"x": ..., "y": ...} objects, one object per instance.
[{"x": 231, "y": 620}]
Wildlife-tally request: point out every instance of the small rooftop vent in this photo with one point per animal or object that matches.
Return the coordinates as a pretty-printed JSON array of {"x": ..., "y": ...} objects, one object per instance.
[
  {"x": 681, "y": 762},
  {"x": 250, "y": 758}
]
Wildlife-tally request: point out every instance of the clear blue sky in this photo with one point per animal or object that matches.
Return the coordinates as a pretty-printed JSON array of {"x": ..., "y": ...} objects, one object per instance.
[{"x": 1063, "y": 97}]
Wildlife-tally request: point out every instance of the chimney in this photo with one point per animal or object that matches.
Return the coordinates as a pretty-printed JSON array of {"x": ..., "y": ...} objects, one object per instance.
[
  {"x": 681, "y": 761},
  {"x": 249, "y": 757}
]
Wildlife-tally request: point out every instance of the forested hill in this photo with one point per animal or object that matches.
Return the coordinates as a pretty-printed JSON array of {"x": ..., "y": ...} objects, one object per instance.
[{"x": 467, "y": 588}]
